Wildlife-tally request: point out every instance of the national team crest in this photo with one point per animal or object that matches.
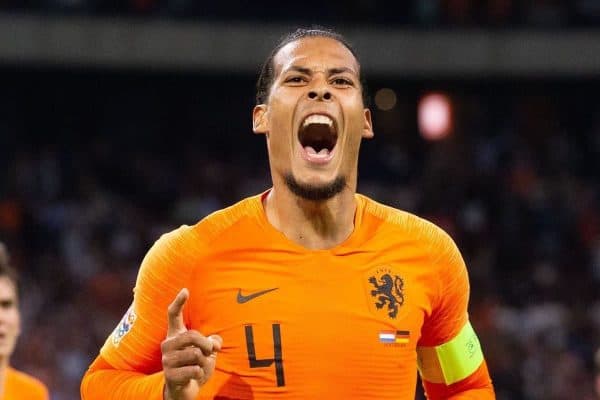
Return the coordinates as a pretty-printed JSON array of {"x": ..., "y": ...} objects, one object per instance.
[
  {"x": 386, "y": 290},
  {"x": 124, "y": 326}
]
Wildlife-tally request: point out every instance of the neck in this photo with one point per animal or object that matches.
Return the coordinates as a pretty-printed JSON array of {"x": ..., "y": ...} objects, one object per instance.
[{"x": 315, "y": 225}]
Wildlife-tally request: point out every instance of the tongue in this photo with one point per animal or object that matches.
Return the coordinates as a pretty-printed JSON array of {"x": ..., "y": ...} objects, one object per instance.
[{"x": 323, "y": 152}]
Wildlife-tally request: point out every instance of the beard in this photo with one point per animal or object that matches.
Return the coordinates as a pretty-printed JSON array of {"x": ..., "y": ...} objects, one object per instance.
[{"x": 314, "y": 192}]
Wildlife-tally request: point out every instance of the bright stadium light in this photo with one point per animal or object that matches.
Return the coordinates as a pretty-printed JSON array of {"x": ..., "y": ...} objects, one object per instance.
[{"x": 435, "y": 116}]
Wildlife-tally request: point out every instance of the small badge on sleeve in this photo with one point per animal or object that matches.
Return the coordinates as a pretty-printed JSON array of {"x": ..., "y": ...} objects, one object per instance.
[{"x": 124, "y": 326}]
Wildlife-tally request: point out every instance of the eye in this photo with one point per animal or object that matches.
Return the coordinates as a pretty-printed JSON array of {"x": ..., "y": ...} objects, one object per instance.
[
  {"x": 295, "y": 79},
  {"x": 6, "y": 304},
  {"x": 341, "y": 81}
]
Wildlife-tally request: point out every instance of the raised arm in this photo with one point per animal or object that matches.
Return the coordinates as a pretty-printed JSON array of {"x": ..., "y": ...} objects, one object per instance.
[
  {"x": 138, "y": 355},
  {"x": 188, "y": 361}
]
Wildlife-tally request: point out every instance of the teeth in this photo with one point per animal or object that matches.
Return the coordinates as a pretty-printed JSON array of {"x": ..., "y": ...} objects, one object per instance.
[
  {"x": 317, "y": 119},
  {"x": 322, "y": 153}
]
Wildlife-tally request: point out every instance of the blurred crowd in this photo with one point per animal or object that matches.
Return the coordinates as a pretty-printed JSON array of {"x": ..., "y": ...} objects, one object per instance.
[
  {"x": 413, "y": 13},
  {"x": 95, "y": 167}
]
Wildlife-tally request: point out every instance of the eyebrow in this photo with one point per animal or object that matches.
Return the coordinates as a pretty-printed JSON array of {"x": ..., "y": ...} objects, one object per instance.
[{"x": 330, "y": 71}]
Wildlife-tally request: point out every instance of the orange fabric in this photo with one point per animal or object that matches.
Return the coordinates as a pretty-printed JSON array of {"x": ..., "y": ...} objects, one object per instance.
[
  {"x": 338, "y": 323},
  {"x": 477, "y": 386},
  {"x": 102, "y": 381},
  {"x": 18, "y": 385}
]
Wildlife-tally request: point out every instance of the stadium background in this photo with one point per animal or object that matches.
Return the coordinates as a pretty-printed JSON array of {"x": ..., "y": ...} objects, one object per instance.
[{"x": 121, "y": 120}]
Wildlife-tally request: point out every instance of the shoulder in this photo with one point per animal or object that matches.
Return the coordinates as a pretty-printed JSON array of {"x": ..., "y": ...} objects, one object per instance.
[
  {"x": 176, "y": 254},
  {"x": 26, "y": 384},
  {"x": 402, "y": 228},
  {"x": 187, "y": 239},
  {"x": 219, "y": 222},
  {"x": 404, "y": 222}
]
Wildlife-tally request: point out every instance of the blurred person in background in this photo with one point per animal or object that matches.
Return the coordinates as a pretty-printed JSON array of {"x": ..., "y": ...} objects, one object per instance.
[
  {"x": 597, "y": 373},
  {"x": 308, "y": 290},
  {"x": 14, "y": 385}
]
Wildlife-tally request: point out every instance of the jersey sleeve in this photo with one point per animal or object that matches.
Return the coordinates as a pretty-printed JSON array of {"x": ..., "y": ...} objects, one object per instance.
[
  {"x": 103, "y": 382},
  {"x": 133, "y": 348},
  {"x": 450, "y": 359}
]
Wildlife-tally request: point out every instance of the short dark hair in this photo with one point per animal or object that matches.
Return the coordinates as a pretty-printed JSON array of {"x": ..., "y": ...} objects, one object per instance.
[
  {"x": 6, "y": 269},
  {"x": 267, "y": 72}
]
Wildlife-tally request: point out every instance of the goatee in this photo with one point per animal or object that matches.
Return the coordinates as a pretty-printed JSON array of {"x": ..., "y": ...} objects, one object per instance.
[{"x": 313, "y": 192}]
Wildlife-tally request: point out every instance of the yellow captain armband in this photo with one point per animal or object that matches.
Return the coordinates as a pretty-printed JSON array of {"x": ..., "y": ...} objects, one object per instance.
[{"x": 452, "y": 361}]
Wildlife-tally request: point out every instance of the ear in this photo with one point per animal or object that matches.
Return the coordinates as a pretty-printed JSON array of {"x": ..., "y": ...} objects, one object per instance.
[
  {"x": 368, "y": 125},
  {"x": 259, "y": 119}
]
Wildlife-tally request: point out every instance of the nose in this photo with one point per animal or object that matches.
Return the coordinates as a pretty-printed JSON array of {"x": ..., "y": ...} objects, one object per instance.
[{"x": 319, "y": 94}]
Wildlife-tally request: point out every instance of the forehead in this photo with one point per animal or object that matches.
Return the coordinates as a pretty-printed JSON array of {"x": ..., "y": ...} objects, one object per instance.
[
  {"x": 7, "y": 288},
  {"x": 315, "y": 53}
]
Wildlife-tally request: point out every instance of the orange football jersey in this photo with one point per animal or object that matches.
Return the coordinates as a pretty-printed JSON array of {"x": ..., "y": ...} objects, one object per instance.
[
  {"x": 18, "y": 386},
  {"x": 296, "y": 323}
]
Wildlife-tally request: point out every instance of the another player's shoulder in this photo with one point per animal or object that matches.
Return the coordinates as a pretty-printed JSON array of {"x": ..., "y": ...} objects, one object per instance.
[
  {"x": 23, "y": 383},
  {"x": 403, "y": 222}
]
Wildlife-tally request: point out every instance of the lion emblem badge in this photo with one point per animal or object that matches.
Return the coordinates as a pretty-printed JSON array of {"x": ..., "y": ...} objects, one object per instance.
[{"x": 387, "y": 291}]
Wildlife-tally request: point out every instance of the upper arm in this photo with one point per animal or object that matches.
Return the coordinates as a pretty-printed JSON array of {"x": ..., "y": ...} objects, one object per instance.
[
  {"x": 135, "y": 342},
  {"x": 450, "y": 358}
]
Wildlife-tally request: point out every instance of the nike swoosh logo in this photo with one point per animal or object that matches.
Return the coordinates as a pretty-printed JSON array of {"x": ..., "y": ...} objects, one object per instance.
[{"x": 241, "y": 299}]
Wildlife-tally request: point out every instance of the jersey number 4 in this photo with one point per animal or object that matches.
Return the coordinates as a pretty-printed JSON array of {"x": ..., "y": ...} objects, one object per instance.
[{"x": 266, "y": 362}]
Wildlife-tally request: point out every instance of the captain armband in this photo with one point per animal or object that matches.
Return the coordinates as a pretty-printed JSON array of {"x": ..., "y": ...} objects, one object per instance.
[{"x": 452, "y": 361}]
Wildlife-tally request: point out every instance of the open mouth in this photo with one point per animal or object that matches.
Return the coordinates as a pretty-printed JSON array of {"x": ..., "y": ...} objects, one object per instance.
[{"x": 318, "y": 136}]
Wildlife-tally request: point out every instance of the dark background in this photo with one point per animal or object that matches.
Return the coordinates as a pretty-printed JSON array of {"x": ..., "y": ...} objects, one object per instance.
[{"x": 98, "y": 159}]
